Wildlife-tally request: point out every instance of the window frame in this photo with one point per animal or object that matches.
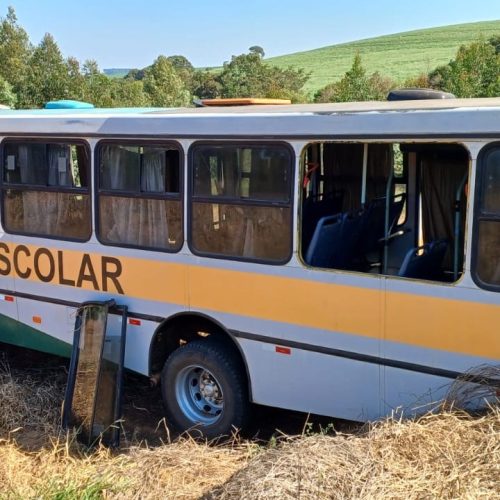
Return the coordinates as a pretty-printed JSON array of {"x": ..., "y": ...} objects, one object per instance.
[
  {"x": 4, "y": 186},
  {"x": 481, "y": 215},
  {"x": 233, "y": 201},
  {"x": 137, "y": 194}
]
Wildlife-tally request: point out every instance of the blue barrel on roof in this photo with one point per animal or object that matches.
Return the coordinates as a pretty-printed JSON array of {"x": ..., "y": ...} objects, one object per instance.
[{"x": 68, "y": 104}]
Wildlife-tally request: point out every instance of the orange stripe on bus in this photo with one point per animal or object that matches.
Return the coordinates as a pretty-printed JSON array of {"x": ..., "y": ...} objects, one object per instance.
[{"x": 425, "y": 321}]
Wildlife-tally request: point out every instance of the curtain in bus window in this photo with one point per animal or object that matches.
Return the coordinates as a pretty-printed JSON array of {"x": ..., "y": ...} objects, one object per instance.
[
  {"x": 59, "y": 165},
  {"x": 120, "y": 168},
  {"x": 37, "y": 208},
  {"x": 343, "y": 171},
  {"x": 153, "y": 171},
  {"x": 441, "y": 174},
  {"x": 378, "y": 169},
  {"x": 42, "y": 211},
  {"x": 343, "y": 165},
  {"x": 33, "y": 164},
  {"x": 134, "y": 221}
]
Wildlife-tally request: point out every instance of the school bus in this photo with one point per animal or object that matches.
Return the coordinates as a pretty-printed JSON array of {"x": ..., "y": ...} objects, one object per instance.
[{"x": 338, "y": 259}]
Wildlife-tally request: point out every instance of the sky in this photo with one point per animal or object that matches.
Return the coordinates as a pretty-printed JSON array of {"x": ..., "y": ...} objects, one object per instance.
[{"x": 132, "y": 33}]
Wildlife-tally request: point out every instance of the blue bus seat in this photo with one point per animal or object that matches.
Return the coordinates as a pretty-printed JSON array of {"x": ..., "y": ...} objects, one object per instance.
[
  {"x": 324, "y": 246},
  {"x": 317, "y": 206},
  {"x": 425, "y": 262}
]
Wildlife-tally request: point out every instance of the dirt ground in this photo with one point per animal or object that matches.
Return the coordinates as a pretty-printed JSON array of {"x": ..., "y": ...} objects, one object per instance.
[{"x": 142, "y": 408}]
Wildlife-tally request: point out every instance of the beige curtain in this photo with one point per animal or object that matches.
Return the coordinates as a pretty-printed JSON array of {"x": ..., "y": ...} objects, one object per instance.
[{"x": 135, "y": 221}]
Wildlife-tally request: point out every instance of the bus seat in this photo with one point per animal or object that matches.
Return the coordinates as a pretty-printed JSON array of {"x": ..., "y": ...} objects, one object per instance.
[
  {"x": 324, "y": 245},
  {"x": 424, "y": 262},
  {"x": 348, "y": 256},
  {"x": 317, "y": 206},
  {"x": 373, "y": 235}
]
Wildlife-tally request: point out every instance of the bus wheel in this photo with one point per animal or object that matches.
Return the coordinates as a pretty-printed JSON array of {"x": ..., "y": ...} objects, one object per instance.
[{"x": 204, "y": 389}]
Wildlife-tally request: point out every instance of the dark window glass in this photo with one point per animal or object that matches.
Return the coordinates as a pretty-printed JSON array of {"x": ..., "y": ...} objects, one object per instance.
[
  {"x": 488, "y": 220},
  {"x": 62, "y": 215},
  {"x": 139, "y": 201},
  {"x": 247, "y": 172},
  {"x": 153, "y": 223},
  {"x": 491, "y": 179},
  {"x": 36, "y": 164},
  {"x": 242, "y": 202},
  {"x": 139, "y": 169},
  {"x": 488, "y": 262},
  {"x": 254, "y": 232},
  {"x": 45, "y": 190}
]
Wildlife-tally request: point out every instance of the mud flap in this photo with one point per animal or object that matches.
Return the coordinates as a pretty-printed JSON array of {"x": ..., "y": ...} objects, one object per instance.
[{"x": 92, "y": 402}]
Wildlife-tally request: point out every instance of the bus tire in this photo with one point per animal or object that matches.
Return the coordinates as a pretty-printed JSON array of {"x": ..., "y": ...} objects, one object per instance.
[{"x": 204, "y": 389}]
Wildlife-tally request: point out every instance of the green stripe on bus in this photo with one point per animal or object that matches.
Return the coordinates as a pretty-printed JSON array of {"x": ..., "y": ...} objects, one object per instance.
[{"x": 17, "y": 333}]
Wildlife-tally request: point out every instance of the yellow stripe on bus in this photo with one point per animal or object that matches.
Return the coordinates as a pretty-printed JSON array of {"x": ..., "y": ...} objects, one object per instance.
[{"x": 435, "y": 323}]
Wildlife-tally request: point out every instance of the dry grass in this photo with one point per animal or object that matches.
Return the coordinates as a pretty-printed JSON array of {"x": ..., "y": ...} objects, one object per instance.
[
  {"x": 438, "y": 456},
  {"x": 449, "y": 455}
]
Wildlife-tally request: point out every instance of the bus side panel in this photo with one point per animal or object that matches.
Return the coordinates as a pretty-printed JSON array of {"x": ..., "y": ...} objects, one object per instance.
[
  {"x": 411, "y": 393},
  {"x": 42, "y": 326},
  {"x": 439, "y": 326},
  {"x": 139, "y": 335},
  {"x": 312, "y": 382}
]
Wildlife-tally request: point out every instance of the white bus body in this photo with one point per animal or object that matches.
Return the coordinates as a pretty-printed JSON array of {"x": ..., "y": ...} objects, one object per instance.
[{"x": 354, "y": 342}]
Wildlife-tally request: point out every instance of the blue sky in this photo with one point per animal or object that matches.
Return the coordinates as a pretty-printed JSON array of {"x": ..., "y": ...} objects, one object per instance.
[{"x": 132, "y": 33}]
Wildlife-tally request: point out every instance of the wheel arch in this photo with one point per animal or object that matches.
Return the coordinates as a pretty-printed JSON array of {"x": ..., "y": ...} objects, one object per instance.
[{"x": 185, "y": 327}]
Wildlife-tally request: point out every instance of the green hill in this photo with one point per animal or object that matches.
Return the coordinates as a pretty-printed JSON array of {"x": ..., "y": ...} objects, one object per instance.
[
  {"x": 398, "y": 56},
  {"x": 116, "y": 72}
]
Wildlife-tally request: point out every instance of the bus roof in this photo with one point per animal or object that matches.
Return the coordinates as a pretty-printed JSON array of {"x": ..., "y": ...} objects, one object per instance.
[
  {"x": 262, "y": 108},
  {"x": 425, "y": 118}
]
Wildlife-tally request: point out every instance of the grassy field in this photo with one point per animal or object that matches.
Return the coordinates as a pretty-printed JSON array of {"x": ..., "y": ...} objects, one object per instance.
[
  {"x": 445, "y": 455},
  {"x": 398, "y": 56}
]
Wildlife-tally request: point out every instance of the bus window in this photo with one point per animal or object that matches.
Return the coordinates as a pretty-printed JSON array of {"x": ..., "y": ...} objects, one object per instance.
[
  {"x": 45, "y": 189},
  {"x": 140, "y": 203},
  {"x": 241, "y": 201},
  {"x": 382, "y": 208},
  {"x": 487, "y": 245}
]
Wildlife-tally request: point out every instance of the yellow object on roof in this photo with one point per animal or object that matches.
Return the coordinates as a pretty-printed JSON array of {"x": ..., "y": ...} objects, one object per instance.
[{"x": 243, "y": 101}]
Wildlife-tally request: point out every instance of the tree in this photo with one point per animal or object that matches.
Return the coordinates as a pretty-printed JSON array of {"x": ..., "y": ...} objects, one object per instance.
[
  {"x": 15, "y": 50},
  {"x": 495, "y": 42},
  {"x": 7, "y": 95},
  {"x": 135, "y": 74},
  {"x": 205, "y": 85},
  {"x": 163, "y": 86},
  {"x": 183, "y": 68},
  {"x": 355, "y": 85},
  {"x": 475, "y": 71},
  {"x": 247, "y": 75},
  {"x": 420, "y": 81},
  {"x": 47, "y": 75},
  {"x": 76, "y": 80},
  {"x": 128, "y": 93},
  {"x": 98, "y": 87},
  {"x": 257, "y": 49}
]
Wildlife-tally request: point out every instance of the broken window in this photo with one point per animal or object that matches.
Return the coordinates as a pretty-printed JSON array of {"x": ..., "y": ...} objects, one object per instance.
[{"x": 385, "y": 208}]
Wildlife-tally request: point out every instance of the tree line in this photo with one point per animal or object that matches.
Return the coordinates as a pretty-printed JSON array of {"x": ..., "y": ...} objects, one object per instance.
[{"x": 31, "y": 75}]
